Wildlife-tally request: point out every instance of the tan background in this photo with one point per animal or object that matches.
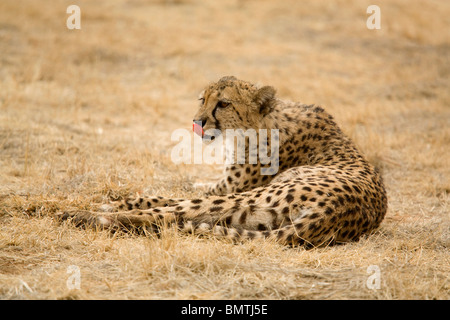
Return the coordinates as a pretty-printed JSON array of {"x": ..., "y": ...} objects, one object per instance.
[{"x": 86, "y": 115}]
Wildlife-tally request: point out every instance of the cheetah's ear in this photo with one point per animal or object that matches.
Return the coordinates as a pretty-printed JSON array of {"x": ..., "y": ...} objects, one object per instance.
[{"x": 265, "y": 99}]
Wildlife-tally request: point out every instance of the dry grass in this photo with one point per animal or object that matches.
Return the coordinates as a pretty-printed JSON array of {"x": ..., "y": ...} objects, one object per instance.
[{"x": 86, "y": 116}]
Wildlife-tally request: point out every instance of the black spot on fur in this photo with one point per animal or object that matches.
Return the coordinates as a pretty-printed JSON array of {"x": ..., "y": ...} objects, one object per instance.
[
  {"x": 280, "y": 233},
  {"x": 313, "y": 216},
  {"x": 261, "y": 227},
  {"x": 289, "y": 198},
  {"x": 224, "y": 231},
  {"x": 218, "y": 201},
  {"x": 243, "y": 217}
]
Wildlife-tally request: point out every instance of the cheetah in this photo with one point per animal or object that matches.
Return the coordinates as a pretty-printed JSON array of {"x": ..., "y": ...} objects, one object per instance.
[{"x": 324, "y": 192}]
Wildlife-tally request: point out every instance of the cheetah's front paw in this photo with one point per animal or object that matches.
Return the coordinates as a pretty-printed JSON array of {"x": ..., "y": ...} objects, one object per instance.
[{"x": 83, "y": 218}]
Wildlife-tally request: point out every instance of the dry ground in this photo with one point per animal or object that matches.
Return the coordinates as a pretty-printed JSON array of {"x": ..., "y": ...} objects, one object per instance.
[{"x": 86, "y": 116}]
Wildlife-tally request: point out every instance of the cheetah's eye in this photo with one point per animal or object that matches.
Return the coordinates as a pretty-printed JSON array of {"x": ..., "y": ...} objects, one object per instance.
[
  {"x": 223, "y": 104},
  {"x": 202, "y": 100}
]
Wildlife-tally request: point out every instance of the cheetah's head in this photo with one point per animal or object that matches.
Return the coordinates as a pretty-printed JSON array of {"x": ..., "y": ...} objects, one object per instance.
[{"x": 232, "y": 104}]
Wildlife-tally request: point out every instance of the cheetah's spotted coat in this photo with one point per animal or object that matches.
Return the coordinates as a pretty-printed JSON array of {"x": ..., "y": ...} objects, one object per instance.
[{"x": 324, "y": 192}]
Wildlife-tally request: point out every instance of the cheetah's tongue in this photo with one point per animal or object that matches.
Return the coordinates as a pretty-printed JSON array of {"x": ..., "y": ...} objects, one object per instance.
[{"x": 198, "y": 129}]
